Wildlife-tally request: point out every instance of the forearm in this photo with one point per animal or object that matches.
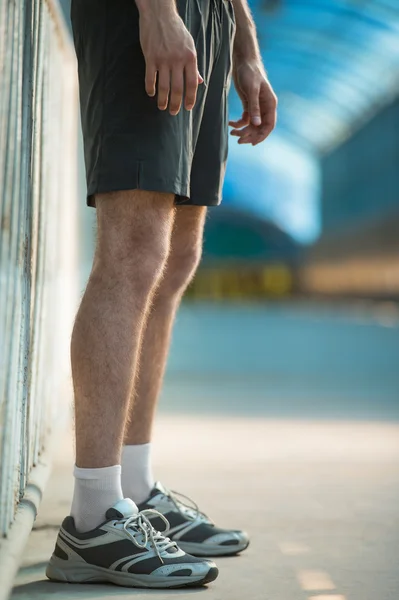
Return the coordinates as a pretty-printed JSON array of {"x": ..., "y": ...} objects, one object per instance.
[
  {"x": 246, "y": 45},
  {"x": 151, "y": 7}
]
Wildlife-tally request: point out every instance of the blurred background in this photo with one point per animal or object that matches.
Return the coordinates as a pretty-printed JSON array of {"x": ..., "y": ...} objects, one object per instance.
[
  {"x": 283, "y": 380},
  {"x": 297, "y": 295}
]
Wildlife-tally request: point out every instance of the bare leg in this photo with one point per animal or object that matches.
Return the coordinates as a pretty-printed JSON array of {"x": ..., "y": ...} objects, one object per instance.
[
  {"x": 134, "y": 230},
  {"x": 185, "y": 254}
]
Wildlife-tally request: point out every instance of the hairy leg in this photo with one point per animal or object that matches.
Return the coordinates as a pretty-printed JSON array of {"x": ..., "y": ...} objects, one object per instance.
[
  {"x": 134, "y": 230},
  {"x": 182, "y": 262}
]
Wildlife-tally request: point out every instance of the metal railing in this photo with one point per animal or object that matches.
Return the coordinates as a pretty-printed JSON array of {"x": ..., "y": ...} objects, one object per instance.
[{"x": 38, "y": 225}]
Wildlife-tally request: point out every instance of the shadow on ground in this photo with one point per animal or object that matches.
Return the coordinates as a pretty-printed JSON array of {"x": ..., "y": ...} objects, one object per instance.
[{"x": 42, "y": 588}]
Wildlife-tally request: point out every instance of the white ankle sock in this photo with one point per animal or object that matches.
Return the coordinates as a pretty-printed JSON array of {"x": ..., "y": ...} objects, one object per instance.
[
  {"x": 96, "y": 490},
  {"x": 137, "y": 477}
]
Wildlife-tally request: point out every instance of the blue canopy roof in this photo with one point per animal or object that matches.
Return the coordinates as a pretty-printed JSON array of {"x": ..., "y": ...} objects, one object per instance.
[
  {"x": 333, "y": 65},
  {"x": 331, "y": 62}
]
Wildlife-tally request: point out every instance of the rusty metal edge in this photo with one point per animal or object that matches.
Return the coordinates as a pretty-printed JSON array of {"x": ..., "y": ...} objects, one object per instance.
[{"x": 12, "y": 547}]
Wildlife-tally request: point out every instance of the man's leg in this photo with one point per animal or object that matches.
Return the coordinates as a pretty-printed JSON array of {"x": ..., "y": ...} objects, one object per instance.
[
  {"x": 185, "y": 254},
  {"x": 190, "y": 528},
  {"x": 106, "y": 538},
  {"x": 134, "y": 230}
]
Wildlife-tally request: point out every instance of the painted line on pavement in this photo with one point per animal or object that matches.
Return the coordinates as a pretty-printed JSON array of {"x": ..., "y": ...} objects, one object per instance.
[
  {"x": 327, "y": 597},
  {"x": 315, "y": 581}
]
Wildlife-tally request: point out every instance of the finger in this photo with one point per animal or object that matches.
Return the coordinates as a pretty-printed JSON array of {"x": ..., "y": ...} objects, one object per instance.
[
  {"x": 200, "y": 78},
  {"x": 241, "y": 122},
  {"x": 191, "y": 80},
  {"x": 244, "y": 120},
  {"x": 257, "y": 134},
  {"x": 260, "y": 136},
  {"x": 244, "y": 140},
  {"x": 268, "y": 105},
  {"x": 150, "y": 79},
  {"x": 251, "y": 137},
  {"x": 265, "y": 129},
  {"x": 243, "y": 131},
  {"x": 163, "y": 87},
  {"x": 176, "y": 92},
  {"x": 238, "y": 132},
  {"x": 269, "y": 117},
  {"x": 254, "y": 108}
]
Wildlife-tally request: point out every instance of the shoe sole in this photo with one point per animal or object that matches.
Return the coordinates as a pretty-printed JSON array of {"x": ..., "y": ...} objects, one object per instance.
[
  {"x": 202, "y": 550},
  {"x": 77, "y": 572}
]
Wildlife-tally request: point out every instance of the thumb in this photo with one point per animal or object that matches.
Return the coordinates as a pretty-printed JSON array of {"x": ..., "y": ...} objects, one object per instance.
[{"x": 254, "y": 108}]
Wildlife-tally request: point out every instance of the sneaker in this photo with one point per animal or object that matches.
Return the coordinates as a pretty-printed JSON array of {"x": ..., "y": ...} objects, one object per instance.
[
  {"x": 191, "y": 529},
  {"x": 126, "y": 550}
]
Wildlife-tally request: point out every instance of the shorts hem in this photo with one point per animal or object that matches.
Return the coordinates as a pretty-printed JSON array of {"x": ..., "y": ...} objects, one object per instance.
[
  {"x": 198, "y": 200},
  {"x": 183, "y": 197}
]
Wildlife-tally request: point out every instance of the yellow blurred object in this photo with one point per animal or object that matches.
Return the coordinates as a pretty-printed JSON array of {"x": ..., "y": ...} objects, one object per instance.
[
  {"x": 238, "y": 282},
  {"x": 377, "y": 276}
]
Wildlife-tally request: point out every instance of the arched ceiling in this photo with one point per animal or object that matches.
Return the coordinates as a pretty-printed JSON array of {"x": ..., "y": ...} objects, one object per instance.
[{"x": 333, "y": 64}]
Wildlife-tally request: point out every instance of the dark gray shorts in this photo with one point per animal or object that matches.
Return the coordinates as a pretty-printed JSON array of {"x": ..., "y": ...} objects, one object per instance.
[{"x": 131, "y": 144}]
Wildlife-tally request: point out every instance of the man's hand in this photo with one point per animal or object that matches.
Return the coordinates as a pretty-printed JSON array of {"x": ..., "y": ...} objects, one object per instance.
[
  {"x": 257, "y": 96},
  {"x": 259, "y": 103},
  {"x": 169, "y": 51}
]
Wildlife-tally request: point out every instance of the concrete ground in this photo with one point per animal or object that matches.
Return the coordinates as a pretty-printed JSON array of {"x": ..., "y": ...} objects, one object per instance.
[
  {"x": 320, "y": 501},
  {"x": 297, "y": 442}
]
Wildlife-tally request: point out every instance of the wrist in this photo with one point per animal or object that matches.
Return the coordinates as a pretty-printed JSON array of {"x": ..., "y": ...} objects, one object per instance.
[
  {"x": 254, "y": 64},
  {"x": 246, "y": 56}
]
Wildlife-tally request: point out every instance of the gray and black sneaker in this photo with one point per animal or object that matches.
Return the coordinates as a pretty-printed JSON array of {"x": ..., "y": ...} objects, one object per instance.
[
  {"x": 191, "y": 529},
  {"x": 126, "y": 550}
]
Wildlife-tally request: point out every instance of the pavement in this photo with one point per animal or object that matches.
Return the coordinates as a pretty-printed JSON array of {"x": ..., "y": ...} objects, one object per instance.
[
  {"x": 320, "y": 501},
  {"x": 313, "y": 477}
]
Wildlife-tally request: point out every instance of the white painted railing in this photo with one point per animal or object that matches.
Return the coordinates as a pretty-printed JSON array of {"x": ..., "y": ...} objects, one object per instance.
[{"x": 38, "y": 231}]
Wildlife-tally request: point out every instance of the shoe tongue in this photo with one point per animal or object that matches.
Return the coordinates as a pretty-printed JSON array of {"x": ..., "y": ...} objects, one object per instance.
[
  {"x": 126, "y": 508},
  {"x": 123, "y": 509}
]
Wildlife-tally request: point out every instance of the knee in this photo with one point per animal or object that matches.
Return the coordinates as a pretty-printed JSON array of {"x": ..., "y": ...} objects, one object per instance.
[
  {"x": 180, "y": 268},
  {"x": 136, "y": 261},
  {"x": 134, "y": 229}
]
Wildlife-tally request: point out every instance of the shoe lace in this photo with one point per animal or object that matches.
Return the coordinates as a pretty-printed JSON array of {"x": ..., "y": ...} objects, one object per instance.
[
  {"x": 140, "y": 524},
  {"x": 189, "y": 508}
]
